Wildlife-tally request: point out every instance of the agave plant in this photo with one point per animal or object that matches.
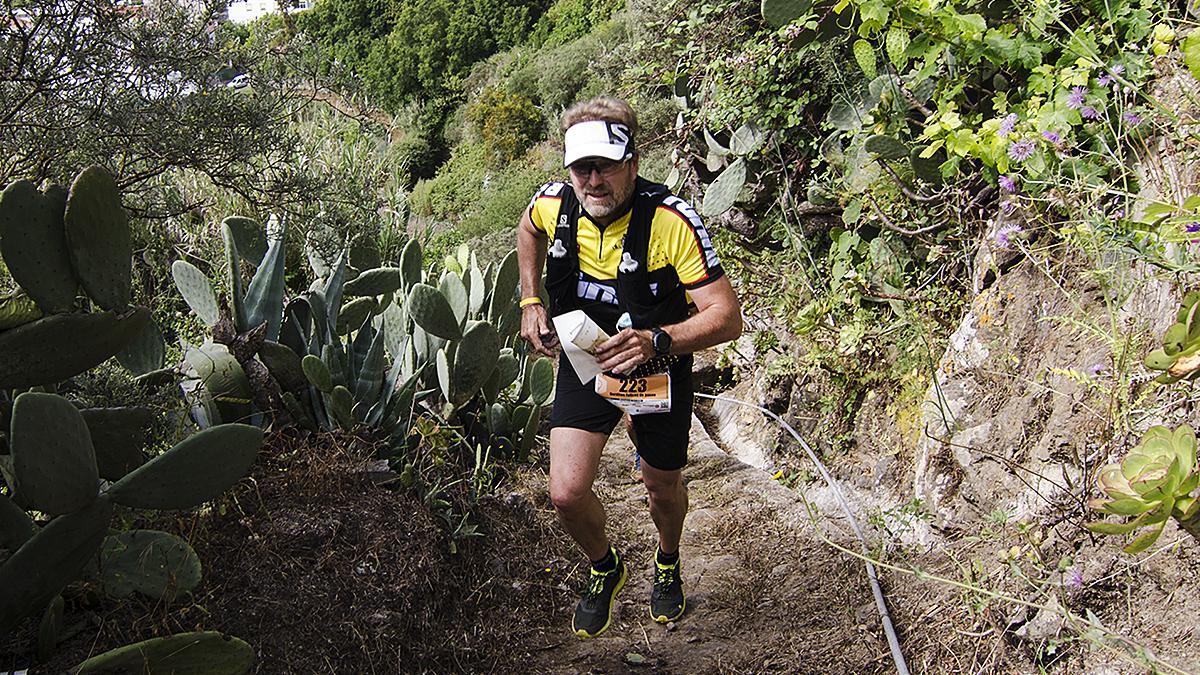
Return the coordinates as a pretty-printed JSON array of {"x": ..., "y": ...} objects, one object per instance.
[
  {"x": 1153, "y": 483},
  {"x": 1180, "y": 353}
]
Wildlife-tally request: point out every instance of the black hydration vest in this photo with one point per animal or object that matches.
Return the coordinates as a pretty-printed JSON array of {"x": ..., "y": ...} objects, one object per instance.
[{"x": 651, "y": 298}]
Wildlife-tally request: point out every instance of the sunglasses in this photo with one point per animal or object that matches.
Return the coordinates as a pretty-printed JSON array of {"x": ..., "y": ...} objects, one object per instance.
[{"x": 605, "y": 167}]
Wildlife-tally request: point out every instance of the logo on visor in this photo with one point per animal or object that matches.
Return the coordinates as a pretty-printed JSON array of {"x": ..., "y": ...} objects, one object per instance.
[{"x": 618, "y": 134}]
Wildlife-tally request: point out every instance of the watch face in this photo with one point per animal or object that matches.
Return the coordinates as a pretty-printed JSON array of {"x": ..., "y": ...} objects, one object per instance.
[{"x": 662, "y": 341}]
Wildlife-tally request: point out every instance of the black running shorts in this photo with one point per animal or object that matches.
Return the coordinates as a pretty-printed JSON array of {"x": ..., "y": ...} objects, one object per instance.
[{"x": 661, "y": 438}]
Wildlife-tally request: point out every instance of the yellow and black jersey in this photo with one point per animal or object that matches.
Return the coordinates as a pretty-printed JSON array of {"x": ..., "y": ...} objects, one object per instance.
[{"x": 677, "y": 240}]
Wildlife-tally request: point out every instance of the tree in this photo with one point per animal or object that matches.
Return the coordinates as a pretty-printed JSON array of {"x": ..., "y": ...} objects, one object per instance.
[{"x": 137, "y": 90}]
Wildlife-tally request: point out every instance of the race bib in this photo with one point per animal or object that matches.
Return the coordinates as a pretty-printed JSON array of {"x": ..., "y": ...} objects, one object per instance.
[{"x": 637, "y": 395}]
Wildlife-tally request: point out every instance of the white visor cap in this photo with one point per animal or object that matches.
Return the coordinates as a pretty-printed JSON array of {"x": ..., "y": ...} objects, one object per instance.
[{"x": 597, "y": 138}]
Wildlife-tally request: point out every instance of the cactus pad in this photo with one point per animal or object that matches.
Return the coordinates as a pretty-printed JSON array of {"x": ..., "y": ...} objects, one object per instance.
[
  {"x": 431, "y": 311},
  {"x": 223, "y": 378},
  {"x": 207, "y": 653},
  {"x": 16, "y": 527},
  {"x": 354, "y": 313},
  {"x": 886, "y": 147},
  {"x": 196, "y": 290},
  {"x": 153, "y": 563},
  {"x": 412, "y": 260},
  {"x": 193, "y": 472},
  {"x": 35, "y": 245},
  {"x": 375, "y": 282},
  {"x": 146, "y": 352},
  {"x": 51, "y": 559},
  {"x": 541, "y": 380},
  {"x": 98, "y": 238},
  {"x": 723, "y": 191},
  {"x": 118, "y": 435},
  {"x": 504, "y": 289},
  {"x": 283, "y": 364},
  {"x": 251, "y": 238},
  {"x": 452, "y": 286},
  {"x": 53, "y": 463},
  {"x": 928, "y": 169},
  {"x": 474, "y": 361},
  {"x": 746, "y": 139}
]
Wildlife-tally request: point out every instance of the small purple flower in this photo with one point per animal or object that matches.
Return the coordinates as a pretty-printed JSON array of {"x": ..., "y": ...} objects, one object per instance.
[
  {"x": 1076, "y": 97},
  {"x": 1052, "y": 137},
  {"x": 1005, "y": 233},
  {"x": 1089, "y": 113},
  {"x": 1192, "y": 227},
  {"x": 1020, "y": 150},
  {"x": 1116, "y": 70},
  {"x": 1074, "y": 578},
  {"x": 1007, "y": 125},
  {"x": 1007, "y": 183},
  {"x": 1105, "y": 80},
  {"x": 1131, "y": 118}
]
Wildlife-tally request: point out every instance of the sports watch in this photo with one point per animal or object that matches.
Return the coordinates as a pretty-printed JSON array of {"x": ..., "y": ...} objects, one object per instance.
[{"x": 661, "y": 340}]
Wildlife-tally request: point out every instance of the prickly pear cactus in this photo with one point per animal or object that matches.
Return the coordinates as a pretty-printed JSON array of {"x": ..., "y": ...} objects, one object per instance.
[
  {"x": 430, "y": 309},
  {"x": 53, "y": 461},
  {"x": 156, "y": 564},
  {"x": 48, "y": 561},
  {"x": 207, "y": 653},
  {"x": 34, "y": 245},
  {"x": 98, "y": 238},
  {"x": 196, "y": 290},
  {"x": 194, "y": 471},
  {"x": 60, "y": 346},
  {"x": 886, "y": 147},
  {"x": 723, "y": 191}
]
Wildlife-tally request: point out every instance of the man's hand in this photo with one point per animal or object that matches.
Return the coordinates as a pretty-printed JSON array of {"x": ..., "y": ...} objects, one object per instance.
[
  {"x": 625, "y": 351},
  {"x": 537, "y": 330}
]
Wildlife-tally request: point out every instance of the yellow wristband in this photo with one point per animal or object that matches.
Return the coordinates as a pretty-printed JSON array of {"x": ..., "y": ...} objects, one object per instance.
[{"x": 535, "y": 300}]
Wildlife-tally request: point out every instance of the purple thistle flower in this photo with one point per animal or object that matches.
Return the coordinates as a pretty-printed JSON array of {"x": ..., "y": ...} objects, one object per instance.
[
  {"x": 1020, "y": 150},
  {"x": 1076, "y": 97},
  {"x": 1007, "y": 183},
  {"x": 1009, "y": 123},
  {"x": 1005, "y": 233},
  {"x": 1052, "y": 137},
  {"x": 1105, "y": 80},
  {"x": 1089, "y": 113},
  {"x": 1131, "y": 118},
  {"x": 1116, "y": 70}
]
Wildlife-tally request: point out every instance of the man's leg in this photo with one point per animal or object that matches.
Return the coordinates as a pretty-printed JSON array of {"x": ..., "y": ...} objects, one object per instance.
[
  {"x": 668, "y": 504},
  {"x": 574, "y": 462}
]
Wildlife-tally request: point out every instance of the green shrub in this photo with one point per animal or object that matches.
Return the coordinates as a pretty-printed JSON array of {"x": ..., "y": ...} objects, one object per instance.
[
  {"x": 569, "y": 20},
  {"x": 506, "y": 123}
]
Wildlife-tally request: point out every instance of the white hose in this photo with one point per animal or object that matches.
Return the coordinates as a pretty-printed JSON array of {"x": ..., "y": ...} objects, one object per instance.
[{"x": 880, "y": 603}]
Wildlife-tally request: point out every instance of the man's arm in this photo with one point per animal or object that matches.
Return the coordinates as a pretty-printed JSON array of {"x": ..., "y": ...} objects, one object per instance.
[
  {"x": 718, "y": 320},
  {"x": 531, "y": 259}
]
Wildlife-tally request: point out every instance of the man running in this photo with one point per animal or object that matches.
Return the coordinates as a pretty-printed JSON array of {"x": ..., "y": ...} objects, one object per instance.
[{"x": 638, "y": 261}]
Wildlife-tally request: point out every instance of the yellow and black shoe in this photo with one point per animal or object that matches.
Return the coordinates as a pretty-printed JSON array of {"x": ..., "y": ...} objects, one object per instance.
[
  {"x": 666, "y": 599},
  {"x": 593, "y": 614}
]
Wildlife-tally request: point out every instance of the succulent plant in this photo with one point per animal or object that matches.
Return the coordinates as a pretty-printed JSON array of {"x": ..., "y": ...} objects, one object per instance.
[
  {"x": 723, "y": 192},
  {"x": 54, "y": 471},
  {"x": 201, "y": 653},
  {"x": 155, "y": 564},
  {"x": 1152, "y": 483},
  {"x": 1180, "y": 353}
]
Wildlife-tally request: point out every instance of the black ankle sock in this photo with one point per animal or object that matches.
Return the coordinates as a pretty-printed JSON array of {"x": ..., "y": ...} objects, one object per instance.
[
  {"x": 668, "y": 559},
  {"x": 606, "y": 564}
]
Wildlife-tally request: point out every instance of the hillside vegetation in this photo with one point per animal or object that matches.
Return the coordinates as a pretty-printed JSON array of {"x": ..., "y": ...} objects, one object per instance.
[{"x": 964, "y": 236}]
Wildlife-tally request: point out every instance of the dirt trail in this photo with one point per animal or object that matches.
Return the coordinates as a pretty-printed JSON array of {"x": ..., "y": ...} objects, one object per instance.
[{"x": 764, "y": 594}]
